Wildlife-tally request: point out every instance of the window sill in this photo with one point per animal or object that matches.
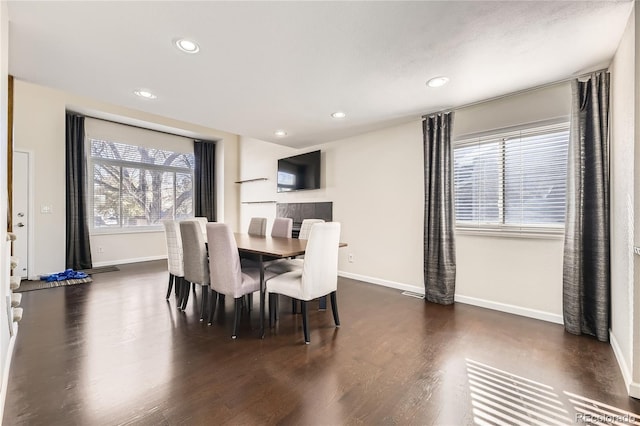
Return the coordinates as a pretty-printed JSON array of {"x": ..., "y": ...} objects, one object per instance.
[
  {"x": 119, "y": 231},
  {"x": 550, "y": 234}
]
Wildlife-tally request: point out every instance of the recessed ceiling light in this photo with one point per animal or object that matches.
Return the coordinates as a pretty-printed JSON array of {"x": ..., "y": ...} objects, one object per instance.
[
  {"x": 437, "y": 82},
  {"x": 338, "y": 114},
  {"x": 145, "y": 94},
  {"x": 186, "y": 45},
  {"x": 280, "y": 133}
]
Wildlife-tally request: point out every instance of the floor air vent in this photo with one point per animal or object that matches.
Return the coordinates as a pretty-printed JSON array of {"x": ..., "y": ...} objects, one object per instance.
[{"x": 412, "y": 294}]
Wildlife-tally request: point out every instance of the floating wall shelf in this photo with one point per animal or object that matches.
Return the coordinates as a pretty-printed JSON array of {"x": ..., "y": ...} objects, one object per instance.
[
  {"x": 251, "y": 180},
  {"x": 259, "y": 202}
]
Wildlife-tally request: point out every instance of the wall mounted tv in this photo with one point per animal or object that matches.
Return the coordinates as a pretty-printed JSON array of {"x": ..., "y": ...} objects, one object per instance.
[{"x": 299, "y": 172}]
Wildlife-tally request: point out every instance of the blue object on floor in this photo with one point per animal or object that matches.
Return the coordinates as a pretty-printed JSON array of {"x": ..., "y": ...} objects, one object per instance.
[{"x": 67, "y": 274}]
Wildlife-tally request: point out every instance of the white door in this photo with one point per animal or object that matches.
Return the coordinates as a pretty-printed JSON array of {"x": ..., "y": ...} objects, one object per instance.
[{"x": 21, "y": 211}]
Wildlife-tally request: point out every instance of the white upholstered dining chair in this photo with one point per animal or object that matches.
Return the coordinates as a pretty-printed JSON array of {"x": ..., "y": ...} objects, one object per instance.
[
  {"x": 318, "y": 276},
  {"x": 287, "y": 265},
  {"x": 202, "y": 221},
  {"x": 226, "y": 274},
  {"x": 174, "y": 259},
  {"x": 282, "y": 227},
  {"x": 305, "y": 227},
  {"x": 196, "y": 263},
  {"x": 257, "y": 226}
]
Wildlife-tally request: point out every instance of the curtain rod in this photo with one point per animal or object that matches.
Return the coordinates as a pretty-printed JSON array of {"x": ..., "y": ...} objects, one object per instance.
[
  {"x": 519, "y": 92},
  {"x": 138, "y": 127}
]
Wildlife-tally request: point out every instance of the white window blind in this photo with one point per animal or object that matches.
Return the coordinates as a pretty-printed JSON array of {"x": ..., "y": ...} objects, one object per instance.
[
  {"x": 512, "y": 181},
  {"x": 134, "y": 187}
]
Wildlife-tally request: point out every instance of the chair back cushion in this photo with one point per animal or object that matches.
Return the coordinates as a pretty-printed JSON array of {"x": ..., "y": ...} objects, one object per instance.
[
  {"x": 257, "y": 226},
  {"x": 224, "y": 260},
  {"x": 305, "y": 228},
  {"x": 196, "y": 264},
  {"x": 282, "y": 227},
  {"x": 320, "y": 267},
  {"x": 203, "y": 224},
  {"x": 174, "y": 247}
]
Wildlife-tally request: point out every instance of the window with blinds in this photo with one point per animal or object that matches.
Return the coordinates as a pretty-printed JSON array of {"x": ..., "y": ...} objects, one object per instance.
[
  {"x": 135, "y": 187},
  {"x": 512, "y": 181}
]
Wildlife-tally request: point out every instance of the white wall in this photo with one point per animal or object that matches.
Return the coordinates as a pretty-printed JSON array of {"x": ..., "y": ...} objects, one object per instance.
[
  {"x": 259, "y": 160},
  {"x": 376, "y": 183},
  {"x": 46, "y": 140},
  {"x": 622, "y": 199},
  {"x": 376, "y": 192},
  {"x": 518, "y": 275}
]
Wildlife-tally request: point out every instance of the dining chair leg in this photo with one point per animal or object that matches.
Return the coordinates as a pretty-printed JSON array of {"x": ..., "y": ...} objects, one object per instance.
[
  {"x": 322, "y": 303},
  {"x": 249, "y": 302},
  {"x": 171, "y": 280},
  {"x": 179, "y": 285},
  {"x": 213, "y": 296},
  {"x": 273, "y": 309},
  {"x": 193, "y": 287},
  {"x": 305, "y": 322},
  {"x": 203, "y": 307},
  {"x": 334, "y": 308},
  {"x": 186, "y": 294},
  {"x": 277, "y": 308},
  {"x": 294, "y": 306},
  {"x": 236, "y": 317}
]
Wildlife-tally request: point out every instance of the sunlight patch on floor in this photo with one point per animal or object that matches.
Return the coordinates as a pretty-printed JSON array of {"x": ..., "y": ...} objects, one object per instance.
[
  {"x": 600, "y": 413},
  {"x": 501, "y": 398}
]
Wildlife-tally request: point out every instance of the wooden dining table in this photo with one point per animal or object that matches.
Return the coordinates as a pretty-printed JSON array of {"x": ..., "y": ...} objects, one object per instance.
[{"x": 268, "y": 248}]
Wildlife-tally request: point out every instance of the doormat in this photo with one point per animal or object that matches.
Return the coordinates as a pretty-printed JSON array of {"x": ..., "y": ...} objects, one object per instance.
[{"x": 39, "y": 285}]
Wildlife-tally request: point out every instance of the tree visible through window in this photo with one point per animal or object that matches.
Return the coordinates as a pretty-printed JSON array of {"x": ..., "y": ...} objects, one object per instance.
[
  {"x": 135, "y": 186},
  {"x": 514, "y": 180}
]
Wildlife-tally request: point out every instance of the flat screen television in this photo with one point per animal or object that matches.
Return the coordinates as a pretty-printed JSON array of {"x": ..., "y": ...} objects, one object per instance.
[{"x": 299, "y": 172}]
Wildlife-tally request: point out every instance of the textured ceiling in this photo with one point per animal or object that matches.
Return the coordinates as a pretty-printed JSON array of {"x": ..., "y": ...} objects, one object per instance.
[{"x": 266, "y": 65}]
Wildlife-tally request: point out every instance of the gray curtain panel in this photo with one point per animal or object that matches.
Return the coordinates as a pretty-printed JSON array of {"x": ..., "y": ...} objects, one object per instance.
[
  {"x": 78, "y": 248},
  {"x": 586, "y": 270},
  {"x": 439, "y": 222},
  {"x": 204, "y": 195}
]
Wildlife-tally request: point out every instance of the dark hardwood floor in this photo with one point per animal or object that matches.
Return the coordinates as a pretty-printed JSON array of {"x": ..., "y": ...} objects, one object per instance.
[{"x": 115, "y": 352}]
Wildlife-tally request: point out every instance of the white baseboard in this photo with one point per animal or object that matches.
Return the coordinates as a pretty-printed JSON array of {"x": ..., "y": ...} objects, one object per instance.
[
  {"x": 489, "y": 304},
  {"x": 384, "y": 283},
  {"x": 108, "y": 263},
  {"x": 510, "y": 309},
  {"x": 125, "y": 261},
  {"x": 633, "y": 388},
  {"x": 5, "y": 371}
]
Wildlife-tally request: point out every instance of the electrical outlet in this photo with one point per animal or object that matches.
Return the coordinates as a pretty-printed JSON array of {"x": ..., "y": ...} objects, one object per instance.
[
  {"x": 636, "y": 250},
  {"x": 351, "y": 259},
  {"x": 100, "y": 250},
  {"x": 46, "y": 209}
]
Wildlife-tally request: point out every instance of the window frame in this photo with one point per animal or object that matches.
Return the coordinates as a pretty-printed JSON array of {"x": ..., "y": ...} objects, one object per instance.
[
  {"x": 91, "y": 161},
  {"x": 502, "y": 135}
]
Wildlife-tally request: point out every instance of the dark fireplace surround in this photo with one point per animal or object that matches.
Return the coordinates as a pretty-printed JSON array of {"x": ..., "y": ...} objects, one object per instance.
[{"x": 300, "y": 211}]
